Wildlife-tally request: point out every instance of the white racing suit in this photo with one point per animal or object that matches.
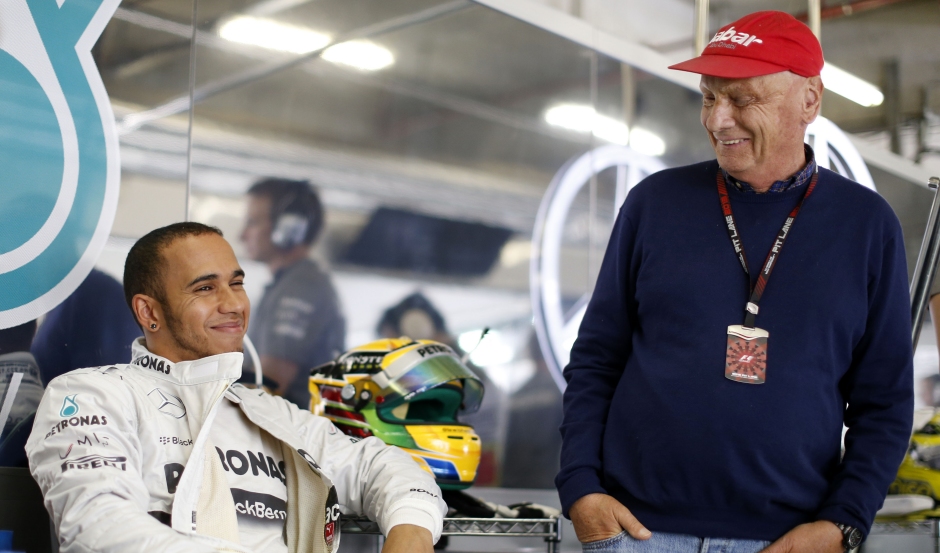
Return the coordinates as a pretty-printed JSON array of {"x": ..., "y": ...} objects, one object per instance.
[{"x": 114, "y": 481}]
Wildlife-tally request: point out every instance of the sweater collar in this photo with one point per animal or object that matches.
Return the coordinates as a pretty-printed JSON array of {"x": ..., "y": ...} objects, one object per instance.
[
  {"x": 208, "y": 369},
  {"x": 796, "y": 180}
]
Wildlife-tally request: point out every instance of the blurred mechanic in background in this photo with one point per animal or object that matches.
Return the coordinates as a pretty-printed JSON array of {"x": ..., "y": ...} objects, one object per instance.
[{"x": 297, "y": 324}]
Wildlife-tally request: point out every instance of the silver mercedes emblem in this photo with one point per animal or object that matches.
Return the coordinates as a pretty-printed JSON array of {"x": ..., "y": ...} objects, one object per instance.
[{"x": 167, "y": 403}]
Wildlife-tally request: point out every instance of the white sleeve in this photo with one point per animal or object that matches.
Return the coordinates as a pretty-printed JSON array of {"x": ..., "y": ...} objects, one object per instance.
[
  {"x": 371, "y": 478},
  {"x": 85, "y": 454}
]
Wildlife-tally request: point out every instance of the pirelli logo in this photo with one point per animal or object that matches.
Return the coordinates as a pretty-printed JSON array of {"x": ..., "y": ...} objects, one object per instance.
[{"x": 95, "y": 462}]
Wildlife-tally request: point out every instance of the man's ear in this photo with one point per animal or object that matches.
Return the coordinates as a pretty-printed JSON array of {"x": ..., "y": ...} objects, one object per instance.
[
  {"x": 812, "y": 99},
  {"x": 148, "y": 312}
]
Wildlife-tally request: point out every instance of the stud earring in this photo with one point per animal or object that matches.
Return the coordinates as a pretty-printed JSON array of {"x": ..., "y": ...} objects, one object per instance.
[{"x": 153, "y": 326}]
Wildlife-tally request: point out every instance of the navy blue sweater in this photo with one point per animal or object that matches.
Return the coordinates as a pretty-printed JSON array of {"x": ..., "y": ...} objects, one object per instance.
[{"x": 649, "y": 416}]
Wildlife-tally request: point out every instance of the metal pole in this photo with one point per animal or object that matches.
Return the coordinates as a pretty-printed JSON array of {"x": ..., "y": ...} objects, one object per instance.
[
  {"x": 926, "y": 263},
  {"x": 935, "y": 534},
  {"x": 554, "y": 542},
  {"x": 701, "y": 26},
  {"x": 192, "y": 109},
  {"x": 892, "y": 104},
  {"x": 592, "y": 184},
  {"x": 814, "y": 15}
]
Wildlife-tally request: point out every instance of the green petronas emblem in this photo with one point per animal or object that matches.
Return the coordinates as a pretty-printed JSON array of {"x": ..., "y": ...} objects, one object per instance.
[{"x": 69, "y": 407}]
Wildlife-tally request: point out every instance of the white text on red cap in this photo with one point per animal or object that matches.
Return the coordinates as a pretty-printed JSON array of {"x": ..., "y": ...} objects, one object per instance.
[{"x": 743, "y": 39}]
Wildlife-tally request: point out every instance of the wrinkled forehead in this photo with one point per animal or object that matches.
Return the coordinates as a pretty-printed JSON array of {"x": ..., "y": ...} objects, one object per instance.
[{"x": 775, "y": 82}]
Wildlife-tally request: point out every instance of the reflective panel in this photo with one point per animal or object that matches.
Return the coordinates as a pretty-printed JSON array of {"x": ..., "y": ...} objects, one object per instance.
[
  {"x": 433, "y": 135},
  {"x": 422, "y": 126}
]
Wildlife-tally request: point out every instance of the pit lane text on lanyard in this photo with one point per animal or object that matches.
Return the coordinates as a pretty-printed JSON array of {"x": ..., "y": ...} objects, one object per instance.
[{"x": 746, "y": 353}]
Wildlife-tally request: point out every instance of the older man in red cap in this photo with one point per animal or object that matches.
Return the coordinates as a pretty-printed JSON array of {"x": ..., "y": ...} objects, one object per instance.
[{"x": 705, "y": 400}]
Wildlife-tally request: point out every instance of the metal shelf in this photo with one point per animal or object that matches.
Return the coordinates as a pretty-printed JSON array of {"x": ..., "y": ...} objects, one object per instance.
[
  {"x": 548, "y": 528},
  {"x": 920, "y": 527},
  {"x": 919, "y": 536}
]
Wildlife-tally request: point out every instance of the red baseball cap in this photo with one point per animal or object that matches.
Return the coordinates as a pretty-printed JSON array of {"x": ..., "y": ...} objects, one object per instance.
[{"x": 759, "y": 44}]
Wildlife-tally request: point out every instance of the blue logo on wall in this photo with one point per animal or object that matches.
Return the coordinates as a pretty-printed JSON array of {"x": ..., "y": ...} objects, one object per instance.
[
  {"x": 58, "y": 152},
  {"x": 69, "y": 407}
]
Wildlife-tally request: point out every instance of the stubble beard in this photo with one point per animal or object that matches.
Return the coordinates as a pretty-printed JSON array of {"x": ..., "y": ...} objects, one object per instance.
[{"x": 186, "y": 340}]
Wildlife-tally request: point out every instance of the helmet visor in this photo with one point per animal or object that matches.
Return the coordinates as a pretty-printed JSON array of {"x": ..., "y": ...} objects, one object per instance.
[{"x": 412, "y": 374}]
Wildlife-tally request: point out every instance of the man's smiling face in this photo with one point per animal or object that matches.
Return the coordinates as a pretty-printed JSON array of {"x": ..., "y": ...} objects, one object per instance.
[
  {"x": 756, "y": 125},
  {"x": 205, "y": 304}
]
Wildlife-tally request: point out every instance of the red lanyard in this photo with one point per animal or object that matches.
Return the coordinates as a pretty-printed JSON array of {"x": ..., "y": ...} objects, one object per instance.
[{"x": 774, "y": 252}]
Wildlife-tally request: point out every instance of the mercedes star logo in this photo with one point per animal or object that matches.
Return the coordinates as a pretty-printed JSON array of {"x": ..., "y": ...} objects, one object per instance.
[{"x": 167, "y": 403}]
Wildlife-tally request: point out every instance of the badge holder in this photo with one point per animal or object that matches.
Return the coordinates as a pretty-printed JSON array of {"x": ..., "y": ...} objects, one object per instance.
[
  {"x": 746, "y": 352},
  {"x": 746, "y": 355}
]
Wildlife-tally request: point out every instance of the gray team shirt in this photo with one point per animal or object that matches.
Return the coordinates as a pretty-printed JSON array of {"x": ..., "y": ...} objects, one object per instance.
[{"x": 299, "y": 319}]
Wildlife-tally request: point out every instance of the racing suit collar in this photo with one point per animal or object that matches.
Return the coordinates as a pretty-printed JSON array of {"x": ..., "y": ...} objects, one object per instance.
[{"x": 225, "y": 366}]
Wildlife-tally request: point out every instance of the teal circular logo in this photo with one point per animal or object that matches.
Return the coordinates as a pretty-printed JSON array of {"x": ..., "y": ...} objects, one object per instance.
[
  {"x": 58, "y": 150},
  {"x": 69, "y": 407}
]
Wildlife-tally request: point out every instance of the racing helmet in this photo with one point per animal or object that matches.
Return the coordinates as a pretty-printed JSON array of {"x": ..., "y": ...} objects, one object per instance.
[
  {"x": 919, "y": 472},
  {"x": 408, "y": 393}
]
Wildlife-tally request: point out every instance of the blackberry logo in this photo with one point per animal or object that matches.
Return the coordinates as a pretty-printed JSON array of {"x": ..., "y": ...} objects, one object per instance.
[
  {"x": 166, "y": 440},
  {"x": 259, "y": 509}
]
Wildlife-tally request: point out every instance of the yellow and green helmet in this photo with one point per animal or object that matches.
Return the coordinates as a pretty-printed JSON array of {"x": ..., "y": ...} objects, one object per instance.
[{"x": 408, "y": 393}]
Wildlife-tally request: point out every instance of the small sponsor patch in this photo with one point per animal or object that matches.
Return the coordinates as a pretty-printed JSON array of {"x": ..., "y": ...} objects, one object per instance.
[
  {"x": 331, "y": 521},
  {"x": 175, "y": 440},
  {"x": 86, "y": 440},
  {"x": 69, "y": 407},
  {"x": 95, "y": 462},
  {"x": 363, "y": 362},
  {"x": 328, "y": 530}
]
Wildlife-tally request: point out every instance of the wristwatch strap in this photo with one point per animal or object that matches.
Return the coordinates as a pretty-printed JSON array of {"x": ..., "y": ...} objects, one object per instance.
[{"x": 851, "y": 537}]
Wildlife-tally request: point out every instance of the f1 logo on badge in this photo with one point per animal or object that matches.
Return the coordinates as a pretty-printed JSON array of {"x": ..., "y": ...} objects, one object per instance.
[
  {"x": 746, "y": 359},
  {"x": 59, "y": 152}
]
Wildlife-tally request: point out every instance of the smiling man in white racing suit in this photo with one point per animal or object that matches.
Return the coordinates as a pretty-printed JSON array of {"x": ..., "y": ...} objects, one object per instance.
[{"x": 168, "y": 454}]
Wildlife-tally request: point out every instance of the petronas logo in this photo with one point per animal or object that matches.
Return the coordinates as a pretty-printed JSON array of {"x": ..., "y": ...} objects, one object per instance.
[{"x": 69, "y": 407}]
